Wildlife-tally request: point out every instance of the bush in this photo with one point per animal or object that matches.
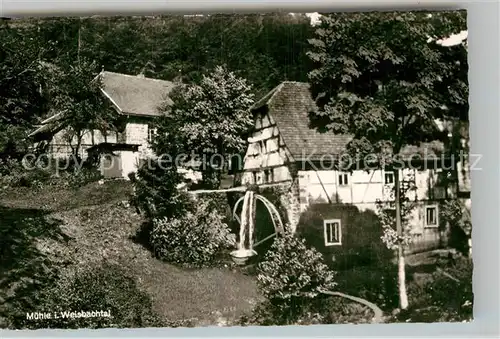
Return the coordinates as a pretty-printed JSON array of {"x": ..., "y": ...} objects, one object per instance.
[
  {"x": 84, "y": 177},
  {"x": 46, "y": 173},
  {"x": 361, "y": 232},
  {"x": 156, "y": 193},
  {"x": 322, "y": 309},
  {"x": 442, "y": 298},
  {"x": 291, "y": 277},
  {"x": 452, "y": 293},
  {"x": 103, "y": 288},
  {"x": 11, "y": 171},
  {"x": 377, "y": 284},
  {"x": 14, "y": 174},
  {"x": 194, "y": 239},
  {"x": 219, "y": 202}
]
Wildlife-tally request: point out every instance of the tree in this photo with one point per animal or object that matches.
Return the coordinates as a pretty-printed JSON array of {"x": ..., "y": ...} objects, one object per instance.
[
  {"x": 265, "y": 49},
  {"x": 76, "y": 93},
  {"x": 209, "y": 121},
  {"x": 382, "y": 77},
  {"x": 22, "y": 86},
  {"x": 156, "y": 191}
]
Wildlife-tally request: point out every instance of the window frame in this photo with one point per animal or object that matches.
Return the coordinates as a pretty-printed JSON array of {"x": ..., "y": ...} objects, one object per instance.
[
  {"x": 436, "y": 216},
  {"x": 343, "y": 175},
  {"x": 391, "y": 174},
  {"x": 268, "y": 175},
  {"x": 151, "y": 133},
  {"x": 330, "y": 223},
  {"x": 263, "y": 146}
]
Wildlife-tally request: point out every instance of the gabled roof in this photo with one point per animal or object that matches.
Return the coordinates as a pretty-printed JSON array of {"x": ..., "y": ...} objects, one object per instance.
[
  {"x": 136, "y": 95},
  {"x": 129, "y": 94},
  {"x": 290, "y": 103}
]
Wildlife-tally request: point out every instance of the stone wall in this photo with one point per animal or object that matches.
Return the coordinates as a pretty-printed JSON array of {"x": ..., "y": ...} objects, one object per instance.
[
  {"x": 290, "y": 200},
  {"x": 137, "y": 133}
]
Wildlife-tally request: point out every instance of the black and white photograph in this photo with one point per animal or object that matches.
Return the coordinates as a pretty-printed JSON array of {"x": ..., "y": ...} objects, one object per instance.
[{"x": 179, "y": 171}]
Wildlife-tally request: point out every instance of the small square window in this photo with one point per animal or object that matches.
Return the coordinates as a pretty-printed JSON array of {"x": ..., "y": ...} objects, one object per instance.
[
  {"x": 389, "y": 178},
  {"x": 343, "y": 179},
  {"x": 332, "y": 232},
  {"x": 431, "y": 216}
]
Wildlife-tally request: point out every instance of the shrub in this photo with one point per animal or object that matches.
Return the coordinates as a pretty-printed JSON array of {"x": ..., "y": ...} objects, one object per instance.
[
  {"x": 219, "y": 202},
  {"x": 453, "y": 213},
  {"x": 194, "y": 239},
  {"x": 14, "y": 174},
  {"x": 84, "y": 177},
  {"x": 361, "y": 232},
  {"x": 11, "y": 171},
  {"x": 446, "y": 296},
  {"x": 47, "y": 172},
  {"x": 156, "y": 193},
  {"x": 291, "y": 277},
  {"x": 339, "y": 310},
  {"x": 102, "y": 288},
  {"x": 377, "y": 284},
  {"x": 322, "y": 309},
  {"x": 455, "y": 296}
]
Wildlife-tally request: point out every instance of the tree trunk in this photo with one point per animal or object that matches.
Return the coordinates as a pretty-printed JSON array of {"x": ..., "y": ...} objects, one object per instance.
[
  {"x": 78, "y": 144},
  {"x": 403, "y": 297},
  {"x": 76, "y": 151}
]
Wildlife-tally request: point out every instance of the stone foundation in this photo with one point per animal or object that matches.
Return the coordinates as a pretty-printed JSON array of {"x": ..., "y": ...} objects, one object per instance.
[{"x": 291, "y": 201}]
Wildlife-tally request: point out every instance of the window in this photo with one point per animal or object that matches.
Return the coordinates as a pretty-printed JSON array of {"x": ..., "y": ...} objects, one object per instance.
[
  {"x": 431, "y": 216},
  {"x": 151, "y": 133},
  {"x": 263, "y": 146},
  {"x": 268, "y": 174},
  {"x": 389, "y": 178},
  {"x": 343, "y": 179},
  {"x": 254, "y": 176},
  {"x": 333, "y": 232}
]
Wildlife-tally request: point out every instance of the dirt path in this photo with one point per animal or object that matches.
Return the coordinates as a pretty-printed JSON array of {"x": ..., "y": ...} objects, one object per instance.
[{"x": 378, "y": 315}]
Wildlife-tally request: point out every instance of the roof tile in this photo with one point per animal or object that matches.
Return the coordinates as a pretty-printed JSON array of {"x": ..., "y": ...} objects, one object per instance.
[
  {"x": 290, "y": 104},
  {"x": 136, "y": 95}
]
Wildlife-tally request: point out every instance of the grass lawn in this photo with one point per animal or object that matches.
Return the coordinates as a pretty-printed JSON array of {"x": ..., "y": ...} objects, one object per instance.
[
  {"x": 93, "y": 223},
  {"x": 50, "y": 232}
]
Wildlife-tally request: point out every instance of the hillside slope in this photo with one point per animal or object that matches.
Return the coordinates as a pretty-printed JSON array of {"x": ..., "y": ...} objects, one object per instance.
[{"x": 70, "y": 228}]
